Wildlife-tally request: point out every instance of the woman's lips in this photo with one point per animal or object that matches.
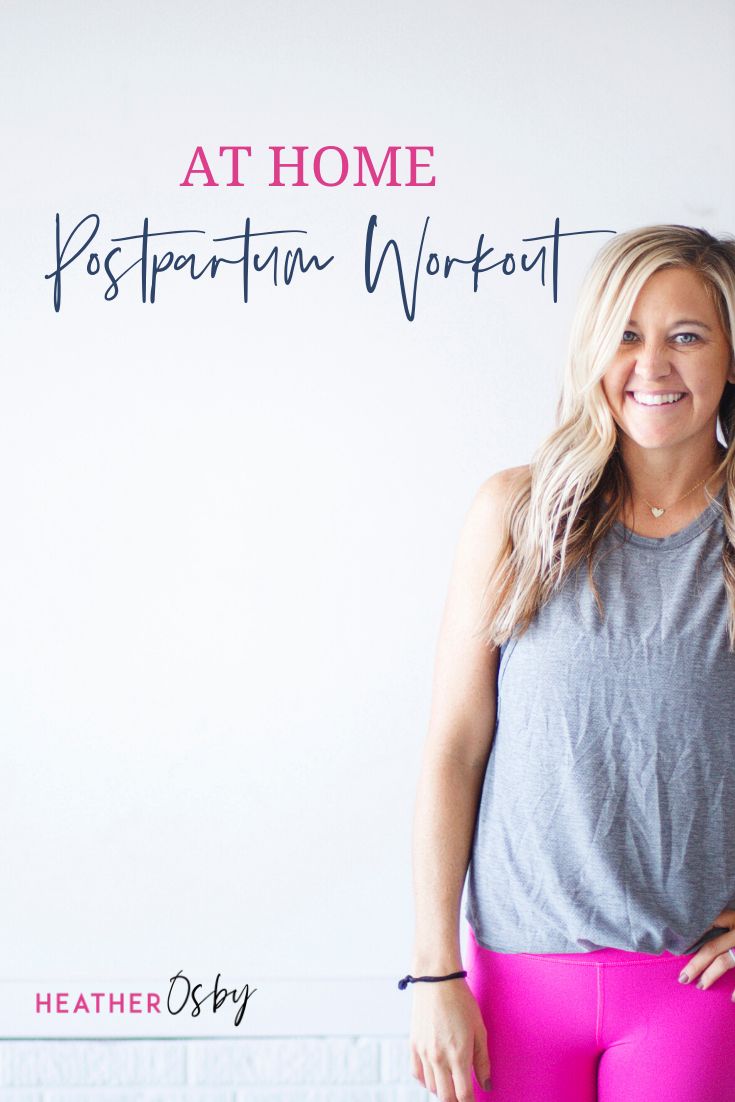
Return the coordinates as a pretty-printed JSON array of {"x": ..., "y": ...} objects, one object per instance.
[{"x": 657, "y": 405}]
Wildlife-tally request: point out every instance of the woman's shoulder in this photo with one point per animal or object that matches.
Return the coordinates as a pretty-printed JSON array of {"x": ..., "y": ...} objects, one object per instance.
[
  {"x": 497, "y": 487},
  {"x": 485, "y": 522}
]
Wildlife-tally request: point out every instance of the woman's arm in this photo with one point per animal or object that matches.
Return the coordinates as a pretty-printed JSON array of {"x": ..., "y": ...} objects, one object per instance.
[
  {"x": 447, "y": 1023},
  {"x": 459, "y": 739}
]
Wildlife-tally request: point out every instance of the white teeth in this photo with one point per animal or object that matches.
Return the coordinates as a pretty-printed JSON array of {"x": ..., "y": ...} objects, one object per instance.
[{"x": 655, "y": 399}]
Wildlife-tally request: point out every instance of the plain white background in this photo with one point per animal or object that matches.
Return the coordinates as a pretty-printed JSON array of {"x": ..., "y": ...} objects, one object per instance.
[{"x": 228, "y": 528}]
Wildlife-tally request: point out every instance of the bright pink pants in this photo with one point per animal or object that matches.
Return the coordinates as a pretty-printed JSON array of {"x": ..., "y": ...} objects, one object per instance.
[{"x": 603, "y": 1026}]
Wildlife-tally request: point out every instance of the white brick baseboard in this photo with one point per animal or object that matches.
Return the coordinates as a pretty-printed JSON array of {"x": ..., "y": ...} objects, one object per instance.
[{"x": 275, "y": 1069}]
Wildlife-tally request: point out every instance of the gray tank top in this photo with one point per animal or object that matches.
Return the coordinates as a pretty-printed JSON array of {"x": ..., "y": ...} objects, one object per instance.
[{"x": 606, "y": 814}]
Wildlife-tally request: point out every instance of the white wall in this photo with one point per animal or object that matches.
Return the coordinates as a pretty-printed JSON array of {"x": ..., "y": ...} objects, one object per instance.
[{"x": 228, "y": 528}]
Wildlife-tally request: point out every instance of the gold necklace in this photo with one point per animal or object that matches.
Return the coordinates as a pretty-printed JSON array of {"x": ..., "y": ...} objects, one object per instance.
[{"x": 658, "y": 511}]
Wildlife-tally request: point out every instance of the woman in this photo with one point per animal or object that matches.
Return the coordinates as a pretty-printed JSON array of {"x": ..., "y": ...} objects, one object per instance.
[{"x": 588, "y": 641}]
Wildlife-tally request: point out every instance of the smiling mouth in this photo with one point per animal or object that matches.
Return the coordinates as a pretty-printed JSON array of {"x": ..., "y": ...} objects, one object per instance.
[{"x": 655, "y": 399}]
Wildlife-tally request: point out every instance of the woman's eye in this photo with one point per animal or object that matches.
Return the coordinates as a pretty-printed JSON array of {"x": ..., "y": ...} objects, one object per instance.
[{"x": 681, "y": 338}]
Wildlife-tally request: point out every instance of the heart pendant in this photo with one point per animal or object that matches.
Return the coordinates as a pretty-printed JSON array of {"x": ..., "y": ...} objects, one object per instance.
[{"x": 656, "y": 511}]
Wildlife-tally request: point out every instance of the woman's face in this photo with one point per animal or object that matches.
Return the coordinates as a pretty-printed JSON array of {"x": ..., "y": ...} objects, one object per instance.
[{"x": 673, "y": 347}]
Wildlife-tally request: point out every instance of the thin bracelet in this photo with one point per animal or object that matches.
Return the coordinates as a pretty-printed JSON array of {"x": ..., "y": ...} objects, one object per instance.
[{"x": 403, "y": 984}]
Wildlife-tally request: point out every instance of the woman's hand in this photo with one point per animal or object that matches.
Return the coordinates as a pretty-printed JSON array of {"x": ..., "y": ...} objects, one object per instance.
[
  {"x": 713, "y": 959},
  {"x": 448, "y": 1040}
]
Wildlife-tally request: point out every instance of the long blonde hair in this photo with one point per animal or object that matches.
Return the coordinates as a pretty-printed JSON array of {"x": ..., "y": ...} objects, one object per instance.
[{"x": 556, "y": 515}]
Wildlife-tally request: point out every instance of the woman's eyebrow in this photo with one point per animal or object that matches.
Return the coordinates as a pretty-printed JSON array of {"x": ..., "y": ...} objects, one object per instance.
[{"x": 682, "y": 321}]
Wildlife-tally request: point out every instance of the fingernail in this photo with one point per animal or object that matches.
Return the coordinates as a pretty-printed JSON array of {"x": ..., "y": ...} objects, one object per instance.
[
  {"x": 683, "y": 978},
  {"x": 487, "y": 1085},
  {"x": 700, "y": 985}
]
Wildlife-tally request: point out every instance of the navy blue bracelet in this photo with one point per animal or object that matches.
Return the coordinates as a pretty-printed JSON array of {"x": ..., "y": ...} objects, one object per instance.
[{"x": 403, "y": 984}]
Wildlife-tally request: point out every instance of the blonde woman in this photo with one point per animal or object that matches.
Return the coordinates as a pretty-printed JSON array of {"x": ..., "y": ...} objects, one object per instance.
[{"x": 581, "y": 751}]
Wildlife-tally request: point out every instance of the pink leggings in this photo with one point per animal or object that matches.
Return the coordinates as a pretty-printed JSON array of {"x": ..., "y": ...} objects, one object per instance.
[{"x": 603, "y": 1026}]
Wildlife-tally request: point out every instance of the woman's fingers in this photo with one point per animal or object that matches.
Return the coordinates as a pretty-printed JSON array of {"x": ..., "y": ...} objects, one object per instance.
[
  {"x": 429, "y": 1077},
  {"x": 711, "y": 962},
  {"x": 722, "y": 963},
  {"x": 448, "y": 1041},
  {"x": 444, "y": 1083},
  {"x": 714, "y": 958},
  {"x": 454, "y": 1081},
  {"x": 481, "y": 1060},
  {"x": 449, "y": 1075},
  {"x": 449, "y": 1078},
  {"x": 464, "y": 1089},
  {"x": 417, "y": 1068}
]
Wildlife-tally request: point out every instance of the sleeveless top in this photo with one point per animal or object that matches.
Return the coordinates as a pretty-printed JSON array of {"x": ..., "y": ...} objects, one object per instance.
[{"x": 607, "y": 814}]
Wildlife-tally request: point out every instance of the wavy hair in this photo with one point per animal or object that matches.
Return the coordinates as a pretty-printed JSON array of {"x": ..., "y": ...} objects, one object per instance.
[{"x": 555, "y": 514}]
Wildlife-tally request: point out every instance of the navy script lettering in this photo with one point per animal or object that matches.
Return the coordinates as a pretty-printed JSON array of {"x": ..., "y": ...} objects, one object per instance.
[
  {"x": 432, "y": 265},
  {"x": 218, "y": 995},
  {"x": 155, "y": 254},
  {"x": 152, "y": 264}
]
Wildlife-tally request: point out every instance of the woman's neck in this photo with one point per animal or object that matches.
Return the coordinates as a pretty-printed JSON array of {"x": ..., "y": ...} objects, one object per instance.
[
  {"x": 665, "y": 495},
  {"x": 664, "y": 480}
]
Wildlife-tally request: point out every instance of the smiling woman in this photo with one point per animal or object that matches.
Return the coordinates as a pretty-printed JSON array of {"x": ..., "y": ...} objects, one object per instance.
[
  {"x": 664, "y": 386},
  {"x": 582, "y": 719}
]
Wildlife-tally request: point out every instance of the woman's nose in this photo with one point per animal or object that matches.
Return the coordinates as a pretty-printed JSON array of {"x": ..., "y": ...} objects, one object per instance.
[{"x": 652, "y": 362}]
